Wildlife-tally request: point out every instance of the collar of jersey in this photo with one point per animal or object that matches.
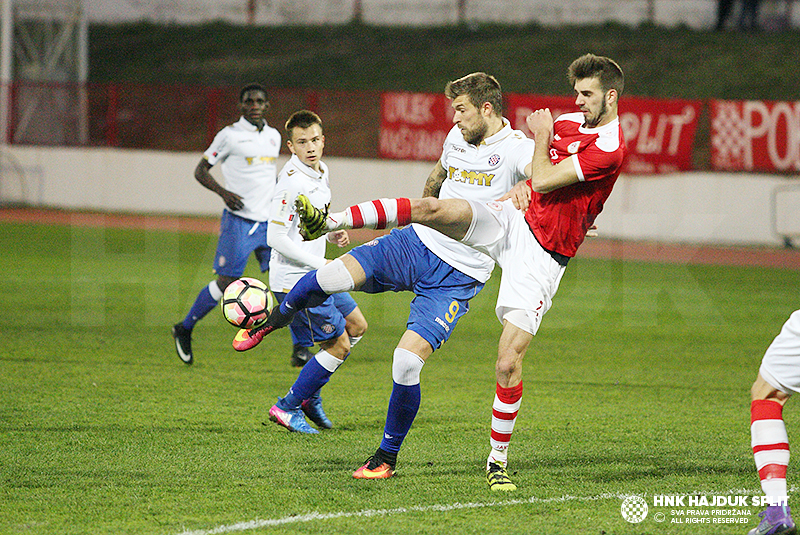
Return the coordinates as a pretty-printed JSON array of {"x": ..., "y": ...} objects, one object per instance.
[
  {"x": 308, "y": 171},
  {"x": 613, "y": 125},
  {"x": 247, "y": 125},
  {"x": 500, "y": 135}
]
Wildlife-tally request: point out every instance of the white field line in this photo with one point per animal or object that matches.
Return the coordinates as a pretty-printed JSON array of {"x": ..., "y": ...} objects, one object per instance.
[
  {"x": 311, "y": 517},
  {"x": 255, "y": 524}
]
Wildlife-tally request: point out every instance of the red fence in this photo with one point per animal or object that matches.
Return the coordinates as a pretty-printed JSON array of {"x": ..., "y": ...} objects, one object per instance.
[
  {"x": 661, "y": 133},
  {"x": 176, "y": 117}
]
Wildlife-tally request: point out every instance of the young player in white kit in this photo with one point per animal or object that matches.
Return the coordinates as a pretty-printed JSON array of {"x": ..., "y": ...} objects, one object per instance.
[
  {"x": 337, "y": 324},
  {"x": 575, "y": 164},
  {"x": 482, "y": 159},
  {"x": 778, "y": 378},
  {"x": 247, "y": 152}
]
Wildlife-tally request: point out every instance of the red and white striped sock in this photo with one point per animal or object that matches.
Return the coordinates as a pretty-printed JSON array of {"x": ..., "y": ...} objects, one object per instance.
[
  {"x": 378, "y": 214},
  {"x": 504, "y": 416},
  {"x": 770, "y": 444}
]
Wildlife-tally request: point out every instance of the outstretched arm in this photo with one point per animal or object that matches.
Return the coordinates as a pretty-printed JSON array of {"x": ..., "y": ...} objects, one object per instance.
[{"x": 203, "y": 175}]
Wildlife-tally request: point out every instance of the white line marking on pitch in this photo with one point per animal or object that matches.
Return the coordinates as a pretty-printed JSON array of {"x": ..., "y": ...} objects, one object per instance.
[
  {"x": 255, "y": 524},
  {"x": 310, "y": 517}
]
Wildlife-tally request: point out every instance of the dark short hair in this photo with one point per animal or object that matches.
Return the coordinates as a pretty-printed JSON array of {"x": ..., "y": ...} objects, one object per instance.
[
  {"x": 479, "y": 87},
  {"x": 301, "y": 119},
  {"x": 600, "y": 67},
  {"x": 253, "y": 87}
]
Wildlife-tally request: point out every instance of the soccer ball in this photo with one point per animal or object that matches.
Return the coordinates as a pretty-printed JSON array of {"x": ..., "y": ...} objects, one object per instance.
[{"x": 246, "y": 302}]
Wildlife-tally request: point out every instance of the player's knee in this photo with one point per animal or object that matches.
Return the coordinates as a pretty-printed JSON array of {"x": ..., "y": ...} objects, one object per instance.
[
  {"x": 334, "y": 277},
  {"x": 761, "y": 390},
  {"x": 505, "y": 368},
  {"x": 357, "y": 328},
  {"x": 406, "y": 367},
  {"x": 339, "y": 348},
  {"x": 508, "y": 365}
]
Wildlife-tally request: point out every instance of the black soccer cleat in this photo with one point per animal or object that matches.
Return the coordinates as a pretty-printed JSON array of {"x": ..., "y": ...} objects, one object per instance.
[{"x": 183, "y": 342}]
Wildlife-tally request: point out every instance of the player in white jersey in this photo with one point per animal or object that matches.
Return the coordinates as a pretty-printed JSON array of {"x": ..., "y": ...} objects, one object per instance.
[
  {"x": 575, "y": 163},
  {"x": 778, "y": 378},
  {"x": 336, "y": 324},
  {"x": 482, "y": 172},
  {"x": 248, "y": 152},
  {"x": 482, "y": 159}
]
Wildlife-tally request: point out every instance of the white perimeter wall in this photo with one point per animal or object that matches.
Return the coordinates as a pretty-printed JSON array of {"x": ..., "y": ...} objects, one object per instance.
[
  {"x": 700, "y": 14},
  {"x": 734, "y": 209}
]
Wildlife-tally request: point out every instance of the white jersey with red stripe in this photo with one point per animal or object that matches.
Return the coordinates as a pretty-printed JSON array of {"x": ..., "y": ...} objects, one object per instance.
[
  {"x": 249, "y": 159},
  {"x": 479, "y": 173},
  {"x": 559, "y": 219}
]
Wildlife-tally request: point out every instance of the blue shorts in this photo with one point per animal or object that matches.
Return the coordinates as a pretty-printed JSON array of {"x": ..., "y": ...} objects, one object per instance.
[
  {"x": 321, "y": 323},
  {"x": 399, "y": 261},
  {"x": 238, "y": 237}
]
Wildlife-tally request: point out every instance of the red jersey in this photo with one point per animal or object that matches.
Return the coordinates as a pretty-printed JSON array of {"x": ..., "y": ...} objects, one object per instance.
[{"x": 560, "y": 219}]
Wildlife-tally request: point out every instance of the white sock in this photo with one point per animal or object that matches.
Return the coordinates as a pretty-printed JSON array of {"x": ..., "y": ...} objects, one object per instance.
[
  {"x": 328, "y": 361},
  {"x": 213, "y": 289},
  {"x": 378, "y": 214},
  {"x": 498, "y": 457}
]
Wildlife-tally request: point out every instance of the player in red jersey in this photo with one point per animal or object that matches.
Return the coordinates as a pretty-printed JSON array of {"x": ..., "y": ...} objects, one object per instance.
[
  {"x": 576, "y": 162},
  {"x": 778, "y": 379}
]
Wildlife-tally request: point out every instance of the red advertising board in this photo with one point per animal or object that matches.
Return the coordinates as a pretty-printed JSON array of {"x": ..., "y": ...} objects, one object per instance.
[
  {"x": 659, "y": 133},
  {"x": 755, "y": 135},
  {"x": 414, "y": 125}
]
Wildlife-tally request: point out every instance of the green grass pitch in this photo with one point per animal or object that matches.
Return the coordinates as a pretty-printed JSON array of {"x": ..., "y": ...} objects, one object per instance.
[{"x": 637, "y": 383}]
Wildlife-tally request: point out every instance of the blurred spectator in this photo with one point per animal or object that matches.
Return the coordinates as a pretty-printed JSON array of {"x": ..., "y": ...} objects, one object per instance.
[{"x": 748, "y": 17}]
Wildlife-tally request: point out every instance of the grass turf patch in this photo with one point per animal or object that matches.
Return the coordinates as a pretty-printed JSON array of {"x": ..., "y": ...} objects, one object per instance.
[{"x": 637, "y": 383}]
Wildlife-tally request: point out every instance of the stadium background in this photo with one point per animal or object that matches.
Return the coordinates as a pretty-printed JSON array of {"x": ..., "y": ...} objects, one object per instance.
[{"x": 164, "y": 90}]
